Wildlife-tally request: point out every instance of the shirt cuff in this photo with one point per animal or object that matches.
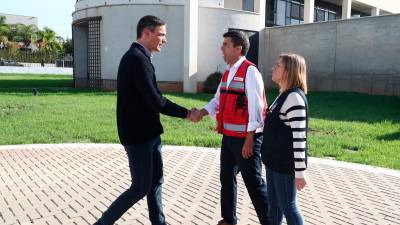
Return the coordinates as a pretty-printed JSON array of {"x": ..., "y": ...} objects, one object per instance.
[
  {"x": 210, "y": 110},
  {"x": 300, "y": 174},
  {"x": 252, "y": 126}
]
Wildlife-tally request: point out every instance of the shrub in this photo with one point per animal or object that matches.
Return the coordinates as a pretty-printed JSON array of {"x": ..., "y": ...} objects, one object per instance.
[
  {"x": 30, "y": 57},
  {"x": 212, "y": 82}
]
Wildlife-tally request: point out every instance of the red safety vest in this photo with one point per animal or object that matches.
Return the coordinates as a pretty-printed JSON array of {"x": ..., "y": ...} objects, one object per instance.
[{"x": 233, "y": 113}]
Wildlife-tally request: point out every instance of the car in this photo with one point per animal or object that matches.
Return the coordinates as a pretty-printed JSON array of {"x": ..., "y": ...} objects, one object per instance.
[{"x": 9, "y": 63}]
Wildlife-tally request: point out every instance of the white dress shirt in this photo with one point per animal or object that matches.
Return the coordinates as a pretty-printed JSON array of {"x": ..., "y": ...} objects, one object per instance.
[{"x": 254, "y": 87}]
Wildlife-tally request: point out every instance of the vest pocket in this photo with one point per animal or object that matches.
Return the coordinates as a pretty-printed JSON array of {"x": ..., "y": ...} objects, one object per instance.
[{"x": 240, "y": 105}]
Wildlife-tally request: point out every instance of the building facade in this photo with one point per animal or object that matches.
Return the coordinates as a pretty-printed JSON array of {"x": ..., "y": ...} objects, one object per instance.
[
  {"x": 291, "y": 12},
  {"x": 14, "y": 19},
  {"x": 103, "y": 31}
]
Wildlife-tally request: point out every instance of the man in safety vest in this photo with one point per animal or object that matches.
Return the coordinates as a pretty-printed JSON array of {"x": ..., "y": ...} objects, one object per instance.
[{"x": 239, "y": 106}]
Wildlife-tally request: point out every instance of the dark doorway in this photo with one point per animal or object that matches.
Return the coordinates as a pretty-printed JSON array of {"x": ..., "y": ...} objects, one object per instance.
[{"x": 87, "y": 57}]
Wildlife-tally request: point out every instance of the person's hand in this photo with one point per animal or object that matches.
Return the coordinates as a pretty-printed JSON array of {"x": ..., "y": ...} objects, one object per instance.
[
  {"x": 247, "y": 149},
  {"x": 300, "y": 183},
  {"x": 195, "y": 115}
]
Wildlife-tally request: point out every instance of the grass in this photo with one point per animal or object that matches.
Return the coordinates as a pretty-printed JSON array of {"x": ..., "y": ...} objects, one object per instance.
[
  {"x": 40, "y": 80},
  {"x": 345, "y": 126}
]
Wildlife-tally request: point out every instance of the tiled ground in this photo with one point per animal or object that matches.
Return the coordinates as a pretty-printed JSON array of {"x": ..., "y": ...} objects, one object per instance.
[{"x": 74, "y": 183}]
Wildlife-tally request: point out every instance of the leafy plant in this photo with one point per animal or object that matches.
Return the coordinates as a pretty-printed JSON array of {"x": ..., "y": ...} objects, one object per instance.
[{"x": 212, "y": 82}]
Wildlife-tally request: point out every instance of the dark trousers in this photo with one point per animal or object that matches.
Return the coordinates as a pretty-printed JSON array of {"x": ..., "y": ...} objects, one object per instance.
[
  {"x": 146, "y": 167},
  {"x": 232, "y": 162}
]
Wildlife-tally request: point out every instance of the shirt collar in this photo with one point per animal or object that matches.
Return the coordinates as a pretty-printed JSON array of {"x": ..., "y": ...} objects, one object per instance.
[
  {"x": 147, "y": 52},
  {"x": 237, "y": 63}
]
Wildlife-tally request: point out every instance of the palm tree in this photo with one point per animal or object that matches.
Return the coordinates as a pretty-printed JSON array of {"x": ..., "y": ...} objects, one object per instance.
[
  {"x": 2, "y": 20},
  {"x": 4, "y": 30},
  {"x": 22, "y": 33},
  {"x": 48, "y": 39},
  {"x": 16, "y": 32},
  {"x": 28, "y": 34}
]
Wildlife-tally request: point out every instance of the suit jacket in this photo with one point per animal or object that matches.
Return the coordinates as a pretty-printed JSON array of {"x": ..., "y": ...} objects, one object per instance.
[{"x": 139, "y": 101}]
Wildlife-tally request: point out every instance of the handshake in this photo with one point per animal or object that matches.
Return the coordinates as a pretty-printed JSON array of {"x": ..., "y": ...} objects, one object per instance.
[{"x": 195, "y": 115}]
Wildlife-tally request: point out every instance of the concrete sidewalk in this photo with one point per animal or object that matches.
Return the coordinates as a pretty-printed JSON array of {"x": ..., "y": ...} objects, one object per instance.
[
  {"x": 36, "y": 70},
  {"x": 74, "y": 183}
]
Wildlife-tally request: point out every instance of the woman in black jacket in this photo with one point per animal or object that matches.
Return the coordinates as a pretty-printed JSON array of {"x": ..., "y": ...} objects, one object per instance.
[{"x": 284, "y": 149}]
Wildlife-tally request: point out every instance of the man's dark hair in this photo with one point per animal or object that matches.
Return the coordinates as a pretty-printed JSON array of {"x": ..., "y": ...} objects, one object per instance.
[
  {"x": 149, "y": 22},
  {"x": 239, "y": 38}
]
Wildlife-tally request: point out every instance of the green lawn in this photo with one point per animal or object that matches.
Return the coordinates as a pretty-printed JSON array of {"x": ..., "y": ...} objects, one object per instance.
[
  {"x": 39, "y": 80},
  {"x": 345, "y": 126}
]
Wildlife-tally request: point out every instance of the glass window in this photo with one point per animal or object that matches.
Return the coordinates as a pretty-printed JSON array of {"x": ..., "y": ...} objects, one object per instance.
[
  {"x": 302, "y": 12},
  {"x": 320, "y": 15},
  {"x": 280, "y": 12},
  {"x": 292, "y": 11},
  {"x": 315, "y": 15},
  {"x": 295, "y": 11},
  {"x": 248, "y": 5},
  {"x": 294, "y": 21},
  {"x": 288, "y": 9},
  {"x": 270, "y": 13},
  {"x": 332, "y": 16},
  {"x": 288, "y": 12}
]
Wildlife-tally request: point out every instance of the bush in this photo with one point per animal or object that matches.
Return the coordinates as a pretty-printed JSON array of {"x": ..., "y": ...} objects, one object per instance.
[
  {"x": 212, "y": 82},
  {"x": 29, "y": 57}
]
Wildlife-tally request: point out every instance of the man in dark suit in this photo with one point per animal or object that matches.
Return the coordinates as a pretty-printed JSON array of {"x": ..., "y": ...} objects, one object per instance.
[{"x": 139, "y": 104}]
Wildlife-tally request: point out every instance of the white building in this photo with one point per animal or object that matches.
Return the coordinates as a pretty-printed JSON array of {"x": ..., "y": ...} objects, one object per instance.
[
  {"x": 14, "y": 19},
  {"x": 104, "y": 29}
]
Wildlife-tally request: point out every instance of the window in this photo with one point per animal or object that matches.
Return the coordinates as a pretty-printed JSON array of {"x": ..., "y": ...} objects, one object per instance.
[
  {"x": 288, "y": 9},
  {"x": 280, "y": 12},
  {"x": 319, "y": 15},
  {"x": 294, "y": 21},
  {"x": 332, "y": 16},
  {"x": 302, "y": 12},
  {"x": 295, "y": 11},
  {"x": 270, "y": 13},
  {"x": 248, "y": 5},
  {"x": 287, "y": 12}
]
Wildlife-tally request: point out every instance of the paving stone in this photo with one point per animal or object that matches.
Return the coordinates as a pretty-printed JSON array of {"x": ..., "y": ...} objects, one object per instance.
[{"x": 75, "y": 183}]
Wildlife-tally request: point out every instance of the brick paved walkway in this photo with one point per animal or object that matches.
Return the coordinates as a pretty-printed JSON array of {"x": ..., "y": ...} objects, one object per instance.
[{"x": 74, "y": 183}]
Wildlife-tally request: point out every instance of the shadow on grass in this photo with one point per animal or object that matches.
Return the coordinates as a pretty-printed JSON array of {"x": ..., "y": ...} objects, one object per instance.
[
  {"x": 390, "y": 137},
  {"x": 338, "y": 106},
  {"x": 197, "y": 96},
  {"x": 354, "y": 107},
  {"x": 54, "y": 90},
  {"x": 35, "y": 83}
]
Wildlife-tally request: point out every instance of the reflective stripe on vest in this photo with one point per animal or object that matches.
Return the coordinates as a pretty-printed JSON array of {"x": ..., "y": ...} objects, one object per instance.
[
  {"x": 224, "y": 85},
  {"x": 235, "y": 127},
  {"x": 236, "y": 85}
]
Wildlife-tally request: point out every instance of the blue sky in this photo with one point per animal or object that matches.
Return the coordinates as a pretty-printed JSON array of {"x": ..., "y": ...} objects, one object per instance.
[{"x": 55, "y": 14}]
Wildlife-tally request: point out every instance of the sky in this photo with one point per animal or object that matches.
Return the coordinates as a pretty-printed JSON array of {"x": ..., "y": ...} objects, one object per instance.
[{"x": 55, "y": 14}]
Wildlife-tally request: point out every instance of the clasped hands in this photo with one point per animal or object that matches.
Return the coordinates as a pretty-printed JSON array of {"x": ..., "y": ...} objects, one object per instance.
[{"x": 195, "y": 115}]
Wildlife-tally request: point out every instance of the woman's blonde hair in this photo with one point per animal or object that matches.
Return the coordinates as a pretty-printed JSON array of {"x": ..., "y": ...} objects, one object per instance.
[{"x": 296, "y": 69}]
